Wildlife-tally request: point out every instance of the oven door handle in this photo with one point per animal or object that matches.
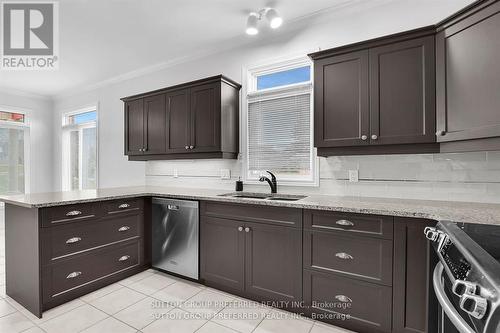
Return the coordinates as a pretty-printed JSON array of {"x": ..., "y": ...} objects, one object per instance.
[{"x": 446, "y": 304}]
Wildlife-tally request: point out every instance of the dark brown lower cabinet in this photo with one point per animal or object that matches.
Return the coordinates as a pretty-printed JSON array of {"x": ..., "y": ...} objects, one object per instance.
[
  {"x": 413, "y": 265},
  {"x": 346, "y": 302},
  {"x": 258, "y": 260},
  {"x": 57, "y": 254},
  {"x": 222, "y": 252},
  {"x": 273, "y": 260}
]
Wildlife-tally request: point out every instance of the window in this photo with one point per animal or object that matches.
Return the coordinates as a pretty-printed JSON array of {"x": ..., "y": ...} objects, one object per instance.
[
  {"x": 80, "y": 150},
  {"x": 279, "y": 123},
  {"x": 13, "y": 147}
]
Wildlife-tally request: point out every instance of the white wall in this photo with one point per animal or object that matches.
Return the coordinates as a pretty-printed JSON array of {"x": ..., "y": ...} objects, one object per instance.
[
  {"x": 40, "y": 113},
  {"x": 465, "y": 177}
]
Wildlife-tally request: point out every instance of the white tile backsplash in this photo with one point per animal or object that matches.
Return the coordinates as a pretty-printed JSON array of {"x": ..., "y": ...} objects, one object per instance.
[{"x": 457, "y": 177}]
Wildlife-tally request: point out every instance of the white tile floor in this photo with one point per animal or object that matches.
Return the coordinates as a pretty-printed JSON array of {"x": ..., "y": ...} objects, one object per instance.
[{"x": 152, "y": 302}]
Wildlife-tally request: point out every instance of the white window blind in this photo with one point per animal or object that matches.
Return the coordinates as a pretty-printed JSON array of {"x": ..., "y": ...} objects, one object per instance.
[{"x": 279, "y": 133}]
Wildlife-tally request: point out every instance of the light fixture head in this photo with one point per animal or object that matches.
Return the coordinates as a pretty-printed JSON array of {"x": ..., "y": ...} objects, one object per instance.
[
  {"x": 275, "y": 21},
  {"x": 252, "y": 21}
]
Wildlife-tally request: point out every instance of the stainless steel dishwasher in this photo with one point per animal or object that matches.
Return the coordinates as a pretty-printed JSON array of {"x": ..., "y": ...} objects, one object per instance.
[{"x": 175, "y": 236}]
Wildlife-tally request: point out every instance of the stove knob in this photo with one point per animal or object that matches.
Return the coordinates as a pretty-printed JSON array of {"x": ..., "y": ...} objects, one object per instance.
[
  {"x": 461, "y": 287},
  {"x": 431, "y": 233},
  {"x": 474, "y": 305}
]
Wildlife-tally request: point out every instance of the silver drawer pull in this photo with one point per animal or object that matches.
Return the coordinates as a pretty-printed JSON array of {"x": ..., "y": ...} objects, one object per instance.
[
  {"x": 172, "y": 207},
  {"x": 123, "y": 258},
  {"x": 124, "y": 228},
  {"x": 74, "y": 213},
  {"x": 344, "y": 223},
  {"x": 73, "y": 275},
  {"x": 123, "y": 206},
  {"x": 344, "y": 256},
  {"x": 343, "y": 298},
  {"x": 73, "y": 240}
]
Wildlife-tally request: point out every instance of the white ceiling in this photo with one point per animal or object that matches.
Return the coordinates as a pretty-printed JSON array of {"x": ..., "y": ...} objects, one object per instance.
[{"x": 102, "y": 39}]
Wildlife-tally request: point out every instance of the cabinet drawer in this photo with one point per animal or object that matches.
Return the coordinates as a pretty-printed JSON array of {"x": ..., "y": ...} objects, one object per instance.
[
  {"x": 122, "y": 206},
  {"x": 73, "y": 273},
  {"x": 361, "y": 257},
  {"x": 361, "y": 224},
  {"x": 350, "y": 303},
  {"x": 69, "y": 213},
  {"x": 253, "y": 213},
  {"x": 63, "y": 240}
]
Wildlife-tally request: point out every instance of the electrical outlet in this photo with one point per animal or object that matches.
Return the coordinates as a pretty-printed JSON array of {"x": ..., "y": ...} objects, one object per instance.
[
  {"x": 225, "y": 174},
  {"x": 176, "y": 173},
  {"x": 354, "y": 176}
]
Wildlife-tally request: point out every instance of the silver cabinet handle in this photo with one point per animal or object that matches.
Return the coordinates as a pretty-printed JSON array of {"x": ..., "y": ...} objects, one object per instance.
[
  {"x": 123, "y": 206},
  {"x": 364, "y": 137},
  {"x": 374, "y": 136},
  {"x": 247, "y": 229},
  {"x": 440, "y": 133},
  {"x": 73, "y": 240},
  {"x": 187, "y": 147},
  {"x": 74, "y": 213},
  {"x": 73, "y": 275},
  {"x": 240, "y": 228},
  {"x": 191, "y": 147},
  {"x": 124, "y": 228},
  {"x": 344, "y": 256},
  {"x": 172, "y": 207},
  {"x": 344, "y": 223},
  {"x": 343, "y": 298},
  {"x": 124, "y": 258}
]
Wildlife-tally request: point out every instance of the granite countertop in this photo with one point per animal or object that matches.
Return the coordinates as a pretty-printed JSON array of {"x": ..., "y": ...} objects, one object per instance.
[{"x": 466, "y": 212}]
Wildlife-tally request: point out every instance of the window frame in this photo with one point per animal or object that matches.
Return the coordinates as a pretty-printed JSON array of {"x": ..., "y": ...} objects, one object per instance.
[
  {"x": 25, "y": 126},
  {"x": 66, "y": 129},
  {"x": 251, "y": 94}
]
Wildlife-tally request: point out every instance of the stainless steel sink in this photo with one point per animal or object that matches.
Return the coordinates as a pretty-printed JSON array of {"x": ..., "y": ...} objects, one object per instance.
[{"x": 264, "y": 196}]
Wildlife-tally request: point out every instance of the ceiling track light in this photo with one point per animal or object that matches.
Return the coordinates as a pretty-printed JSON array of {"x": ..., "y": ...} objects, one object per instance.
[{"x": 275, "y": 21}]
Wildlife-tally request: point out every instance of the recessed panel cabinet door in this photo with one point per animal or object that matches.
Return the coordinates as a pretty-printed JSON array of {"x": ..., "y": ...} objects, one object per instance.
[
  {"x": 468, "y": 77},
  {"x": 273, "y": 262},
  {"x": 178, "y": 121},
  {"x": 205, "y": 118},
  {"x": 134, "y": 125},
  {"x": 222, "y": 252},
  {"x": 341, "y": 116},
  {"x": 402, "y": 92},
  {"x": 155, "y": 117}
]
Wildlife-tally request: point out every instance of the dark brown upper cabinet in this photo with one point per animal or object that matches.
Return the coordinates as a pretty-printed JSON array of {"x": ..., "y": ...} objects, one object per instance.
[
  {"x": 402, "y": 92},
  {"x": 377, "y": 96},
  {"x": 468, "y": 77},
  {"x": 199, "y": 119},
  {"x": 154, "y": 129},
  {"x": 205, "y": 119},
  {"x": 178, "y": 122},
  {"x": 341, "y": 100}
]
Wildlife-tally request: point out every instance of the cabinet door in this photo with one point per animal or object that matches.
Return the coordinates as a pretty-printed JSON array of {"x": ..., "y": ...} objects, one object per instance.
[
  {"x": 222, "y": 253},
  {"x": 178, "y": 121},
  {"x": 205, "y": 118},
  {"x": 134, "y": 127},
  {"x": 402, "y": 92},
  {"x": 413, "y": 309},
  {"x": 156, "y": 124},
  {"x": 273, "y": 259},
  {"x": 468, "y": 77},
  {"x": 341, "y": 114}
]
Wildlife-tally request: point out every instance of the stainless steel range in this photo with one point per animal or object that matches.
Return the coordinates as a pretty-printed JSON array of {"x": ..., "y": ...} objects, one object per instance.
[{"x": 467, "y": 277}]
